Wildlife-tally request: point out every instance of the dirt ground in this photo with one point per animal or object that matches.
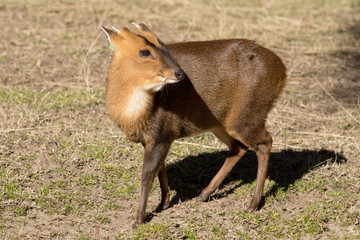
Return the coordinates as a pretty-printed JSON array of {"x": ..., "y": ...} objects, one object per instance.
[{"x": 66, "y": 172}]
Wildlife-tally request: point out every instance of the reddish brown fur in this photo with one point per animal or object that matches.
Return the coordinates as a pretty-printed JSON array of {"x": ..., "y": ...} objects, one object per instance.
[{"x": 229, "y": 89}]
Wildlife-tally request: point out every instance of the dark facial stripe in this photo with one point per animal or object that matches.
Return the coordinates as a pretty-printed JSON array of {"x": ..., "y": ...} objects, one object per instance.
[{"x": 162, "y": 51}]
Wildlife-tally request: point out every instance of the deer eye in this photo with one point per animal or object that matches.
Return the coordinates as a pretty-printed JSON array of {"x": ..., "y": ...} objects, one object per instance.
[{"x": 145, "y": 53}]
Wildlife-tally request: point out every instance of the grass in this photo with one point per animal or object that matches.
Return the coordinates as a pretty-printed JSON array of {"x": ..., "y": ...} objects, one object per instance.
[
  {"x": 152, "y": 231},
  {"x": 67, "y": 170},
  {"x": 188, "y": 233},
  {"x": 64, "y": 99}
]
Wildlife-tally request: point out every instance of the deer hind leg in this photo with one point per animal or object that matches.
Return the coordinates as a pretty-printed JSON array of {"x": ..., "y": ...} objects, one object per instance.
[
  {"x": 260, "y": 141},
  {"x": 263, "y": 150},
  {"x": 237, "y": 150}
]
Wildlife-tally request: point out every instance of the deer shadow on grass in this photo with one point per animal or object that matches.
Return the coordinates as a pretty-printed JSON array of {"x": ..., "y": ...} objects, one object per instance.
[{"x": 191, "y": 175}]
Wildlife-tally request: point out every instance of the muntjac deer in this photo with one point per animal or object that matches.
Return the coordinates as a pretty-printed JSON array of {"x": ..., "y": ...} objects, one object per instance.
[{"x": 157, "y": 93}]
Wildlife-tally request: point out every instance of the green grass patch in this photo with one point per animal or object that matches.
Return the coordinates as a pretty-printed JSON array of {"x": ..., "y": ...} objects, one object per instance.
[
  {"x": 243, "y": 235},
  {"x": 21, "y": 210},
  {"x": 68, "y": 99},
  {"x": 115, "y": 171},
  {"x": 55, "y": 201},
  {"x": 152, "y": 231},
  {"x": 88, "y": 180},
  {"x": 218, "y": 232},
  {"x": 124, "y": 192},
  {"x": 188, "y": 233},
  {"x": 312, "y": 181},
  {"x": 11, "y": 190},
  {"x": 112, "y": 205},
  {"x": 98, "y": 150},
  {"x": 5, "y": 174},
  {"x": 102, "y": 219}
]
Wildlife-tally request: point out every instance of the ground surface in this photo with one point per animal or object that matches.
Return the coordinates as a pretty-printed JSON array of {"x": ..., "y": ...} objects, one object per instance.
[{"x": 66, "y": 172}]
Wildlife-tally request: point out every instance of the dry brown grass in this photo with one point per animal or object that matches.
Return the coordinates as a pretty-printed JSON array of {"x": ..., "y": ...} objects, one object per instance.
[{"x": 61, "y": 157}]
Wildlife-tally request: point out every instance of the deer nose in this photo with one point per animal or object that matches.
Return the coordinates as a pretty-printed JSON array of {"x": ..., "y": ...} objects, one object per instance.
[{"x": 180, "y": 74}]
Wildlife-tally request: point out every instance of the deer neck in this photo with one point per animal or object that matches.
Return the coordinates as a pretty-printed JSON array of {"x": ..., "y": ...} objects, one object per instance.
[{"x": 130, "y": 110}]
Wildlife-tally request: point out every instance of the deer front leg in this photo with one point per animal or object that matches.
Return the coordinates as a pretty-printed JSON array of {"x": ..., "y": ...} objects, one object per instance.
[
  {"x": 236, "y": 152},
  {"x": 164, "y": 186},
  {"x": 155, "y": 154}
]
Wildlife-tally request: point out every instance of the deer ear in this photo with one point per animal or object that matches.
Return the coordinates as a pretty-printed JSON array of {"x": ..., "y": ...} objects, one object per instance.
[
  {"x": 141, "y": 26},
  {"x": 112, "y": 37},
  {"x": 144, "y": 31}
]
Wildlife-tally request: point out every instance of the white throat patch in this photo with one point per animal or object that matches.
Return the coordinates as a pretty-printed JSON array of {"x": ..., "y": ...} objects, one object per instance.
[
  {"x": 141, "y": 96},
  {"x": 137, "y": 102}
]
